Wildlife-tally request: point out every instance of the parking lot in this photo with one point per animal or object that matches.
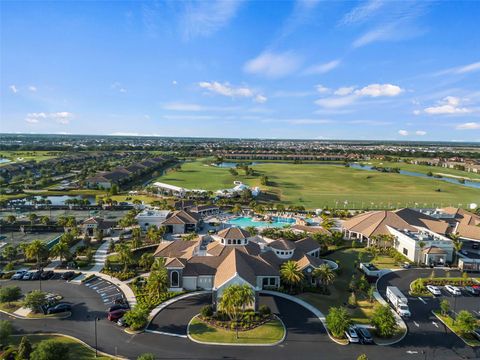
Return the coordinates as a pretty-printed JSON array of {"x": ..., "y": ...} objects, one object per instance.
[{"x": 107, "y": 291}]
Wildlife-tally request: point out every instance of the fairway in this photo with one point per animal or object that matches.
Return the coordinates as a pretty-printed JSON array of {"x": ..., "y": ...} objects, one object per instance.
[{"x": 316, "y": 185}]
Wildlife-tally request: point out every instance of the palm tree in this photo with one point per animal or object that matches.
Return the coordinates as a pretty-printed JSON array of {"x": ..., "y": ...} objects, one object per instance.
[
  {"x": 236, "y": 209},
  {"x": 45, "y": 220},
  {"x": 153, "y": 234},
  {"x": 61, "y": 249},
  {"x": 234, "y": 300},
  {"x": 35, "y": 250},
  {"x": 124, "y": 255},
  {"x": 421, "y": 244},
  {"x": 158, "y": 279},
  {"x": 325, "y": 275},
  {"x": 11, "y": 219},
  {"x": 291, "y": 274},
  {"x": 32, "y": 217}
]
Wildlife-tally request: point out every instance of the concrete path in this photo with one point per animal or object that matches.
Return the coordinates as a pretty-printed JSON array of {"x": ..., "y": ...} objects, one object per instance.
[{"x": 23, "y": 311}]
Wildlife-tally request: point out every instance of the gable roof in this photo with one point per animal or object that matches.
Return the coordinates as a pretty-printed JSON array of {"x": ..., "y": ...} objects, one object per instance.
[
  {"x": 416, "y": 218},
  {"x": 233, "y": 233},
  {"x": 377, "y": 223},
  {"x": 307, "y": 260},
  {"x": 181, "y": 217},
  {"x": 468, "y": 223},
  {"x": 307, "y": 244},
  {"x": 234, "y": 264},
  {"x": 177, "y": 248},
  {"x": 175, "y": 263}
]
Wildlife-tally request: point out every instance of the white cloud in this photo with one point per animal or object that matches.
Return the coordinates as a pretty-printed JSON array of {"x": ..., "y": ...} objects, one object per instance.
[
  {"x": 376, "y": 90},
  {"x": 464, "y": 69},
  {"x": 322, "y": 68},
  {"x": 34, "y": 118},
  {"x": 416, "y": 112},
  {"x": 118, "y": 87},
  {"x": 449, "y": 105},
  {"x": 273, "y": 65},
  {"x": 32, "y": 88},
  {"x": 203, "y": 18},
  {"x": 344, "y": 90},
  {"x": 362, "y": 12},
  {"x": 62, "y": 117},
  {"x": 336, "y": 102},
  {"x": 226, "y": 89},
  {"x": 381, "y": 33},
  {"x": 420, "y": 133},
  {"x": 403, "y": 132},
  {"x": 468, "y": 126},
  {"x": 322, "y": 89},
  {"x": 13, "y": 89}
]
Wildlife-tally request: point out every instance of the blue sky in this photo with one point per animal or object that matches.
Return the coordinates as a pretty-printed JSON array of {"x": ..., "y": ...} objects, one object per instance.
[{"x": 302, "y": 69}]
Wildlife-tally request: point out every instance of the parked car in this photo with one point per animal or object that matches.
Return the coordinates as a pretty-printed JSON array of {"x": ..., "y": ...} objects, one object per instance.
[
  {"x": 454, "y": 290},
  {"x": 122, "y": 322},
  {"x": 435, "y": 290},
  {"x": 68, "y": 275},
  {"x": 115, "y": 315},
  {"x": 59, "y": 308},
  {"x": 406, "y": 265},
  {"x": 28, "y": 275},
  {"x": 473, "y": 290},
  {"x": 120, "y": 300},
  {"x": 364, "y": 336},
  {"x": 352, "y": 335},
  {"x": 18, "y": 275},
  {"x": 36, "y": 275},
  {"x": 464, "y": 252},
  {"x": 47, "y": 275},
  {"x": 117, "y": 307},
  {"x": 476, "y": 333}
]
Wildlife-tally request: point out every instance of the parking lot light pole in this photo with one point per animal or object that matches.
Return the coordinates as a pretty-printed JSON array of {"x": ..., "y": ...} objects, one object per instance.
[{"x": 96, "y": 344}]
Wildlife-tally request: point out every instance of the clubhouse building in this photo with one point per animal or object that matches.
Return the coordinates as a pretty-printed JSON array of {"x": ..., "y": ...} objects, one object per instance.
[{"x": 233, "y": 256}]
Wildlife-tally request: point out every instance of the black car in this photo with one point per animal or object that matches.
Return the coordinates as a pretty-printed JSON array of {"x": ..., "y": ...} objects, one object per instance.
[
  {"x": 473, "y": 290},
  {"x": 37, "y": 275},
  {"x": 364, "y": 335},
  {"x": 68, "y": 275},
  {"x": 59, "y": 308},
  {"x": 117, "y": 307},
  {"x": 120, "y": 300},
  {"x": 46, "y": 275}
]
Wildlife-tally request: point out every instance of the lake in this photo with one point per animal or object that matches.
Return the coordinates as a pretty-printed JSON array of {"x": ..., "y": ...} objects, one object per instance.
[{"x": 60, "y": 199}]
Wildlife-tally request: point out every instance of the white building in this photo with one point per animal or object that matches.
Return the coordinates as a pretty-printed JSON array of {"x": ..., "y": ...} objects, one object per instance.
[{"x": 152, "y": 217}]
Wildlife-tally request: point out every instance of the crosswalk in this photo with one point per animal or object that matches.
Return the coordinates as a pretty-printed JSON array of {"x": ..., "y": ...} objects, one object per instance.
[{"x": 107, "y": 291}]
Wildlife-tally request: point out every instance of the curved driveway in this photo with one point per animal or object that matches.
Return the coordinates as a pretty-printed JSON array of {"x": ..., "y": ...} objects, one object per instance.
[{"x": 306, "y": 337}]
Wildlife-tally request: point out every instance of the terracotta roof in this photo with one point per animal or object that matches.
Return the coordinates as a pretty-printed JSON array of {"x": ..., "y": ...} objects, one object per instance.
[
  {"x": 177, "y": 248},
  {"x": 234, "y": 264},
  {"x": 434, "y": 250},
  {"x": 468, "y": 223},
  {"x": 282, "y": 244},
  {"x": 376, "y": 222},
  {"x": 233, "y": 233},
  {"x": 416, "y": 218},
  {"x": 311, "y": 229},
  {"x": 307, "y": 244},
  {"x": 181, "y": 217}
]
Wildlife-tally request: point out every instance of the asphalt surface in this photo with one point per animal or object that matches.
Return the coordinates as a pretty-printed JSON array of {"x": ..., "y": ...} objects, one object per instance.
[{"x": 306, "y": 337}]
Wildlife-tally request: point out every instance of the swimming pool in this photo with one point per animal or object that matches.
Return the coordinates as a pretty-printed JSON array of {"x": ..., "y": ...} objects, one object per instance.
[{"x": 277, "y": 222}]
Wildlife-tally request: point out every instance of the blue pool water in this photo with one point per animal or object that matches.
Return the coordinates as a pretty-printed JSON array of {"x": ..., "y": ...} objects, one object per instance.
[{"x": 277, "y": 222}]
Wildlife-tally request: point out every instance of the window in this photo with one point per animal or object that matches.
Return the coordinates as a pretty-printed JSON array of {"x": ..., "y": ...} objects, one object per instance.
[
  {"x": 405, "y": 252},
  {"x": 229, "y": 242},
  {"x": 174, "y": 279},
  {"x": 265, "y": 282},
  {"x": 272, "y": 281}
]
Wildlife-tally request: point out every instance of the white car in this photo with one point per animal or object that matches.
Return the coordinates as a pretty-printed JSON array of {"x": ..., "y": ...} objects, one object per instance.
[
  {"x": 19, "y": 275},
  {"x": 453, "y": 290},
  {"x": 352, "y": 335},
  {"x": 434, "y": 290}
]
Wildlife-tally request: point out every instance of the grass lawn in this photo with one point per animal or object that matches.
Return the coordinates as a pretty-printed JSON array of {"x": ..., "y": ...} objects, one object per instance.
[
  {"x": 11, "y": 307},
  {"x": 21, "y": 156},
  {"x": 144, "y": 198},
  {"x": 76, "y": 349},
  {"x": 269, "y": 333},
  {"x": 339, "y": 289},
  {"x": 315, "y": 185},
  {"x": 468, "y": 338}
]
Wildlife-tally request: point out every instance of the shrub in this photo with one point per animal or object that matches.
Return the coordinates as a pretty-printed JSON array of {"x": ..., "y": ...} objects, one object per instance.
[
  {"x": 5, "y": 331},
  {"x": 10, "y": 293},
  {"x": 50, "y": 350},
  {"x": 137, "y": 318},
  {"x": 24, "y": 349},
  {"x": 146, "y": 356},
  {"x": 338, "y": 320},
  {"x": 384, "y": 321},
  {"x": 264, "y": 310},
  {"x": 466, "y": 321},
  {"x": 10, "y": 354},
  {"x": 9, "y": 267},
  {"x": 34, "y": 300},
  {"x": 207, "y": 311}
]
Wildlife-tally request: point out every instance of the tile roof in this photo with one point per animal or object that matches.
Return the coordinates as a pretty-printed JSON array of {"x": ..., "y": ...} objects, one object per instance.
[
  {"x": 468, "y": 223},
  {"x": 177, "y": 248},
  {"x": 376, "y": 222},
  {"x": 181, "y": 217},
  {"x": 416, "y": 218},
  {"x": 307, "y": 244},
  {"x": 175, "y": 263},
  {"x": 282, "y": 244},
  {"x": 233, "y": 233}
]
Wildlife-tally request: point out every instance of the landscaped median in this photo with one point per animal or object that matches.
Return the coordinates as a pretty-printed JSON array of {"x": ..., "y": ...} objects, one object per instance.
[
  {"x": 270, "y": 333},
  {"x": 457, "y": 328}
]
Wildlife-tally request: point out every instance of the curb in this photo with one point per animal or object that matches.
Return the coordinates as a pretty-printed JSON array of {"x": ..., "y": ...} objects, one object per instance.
[
  {"x": 234, "y": 344},
  {"x": 69, "y": 313},
  {"x": 76, "y": 339},
  {"x": 461, "y": 338}
]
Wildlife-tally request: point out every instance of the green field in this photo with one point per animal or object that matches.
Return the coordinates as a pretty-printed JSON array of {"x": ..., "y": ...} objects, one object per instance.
[
  {"x": 315, "y": 185},
  {"x": 22, "y": 156}
]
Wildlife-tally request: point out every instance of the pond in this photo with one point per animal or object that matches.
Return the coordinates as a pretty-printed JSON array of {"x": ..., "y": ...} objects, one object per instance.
[
  {"x": 471, "y": 184},
  {"x": 231, "y": 165},
  {"x": 59, "y": 199},
  {"x": 3, "y": 161},
  {"x": 277, "y": 222}
]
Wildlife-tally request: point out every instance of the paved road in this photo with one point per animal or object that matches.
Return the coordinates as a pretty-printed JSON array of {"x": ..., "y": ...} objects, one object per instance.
[
  {"x": 425, "y": 332},
  {"x": 306, "y": 338}
]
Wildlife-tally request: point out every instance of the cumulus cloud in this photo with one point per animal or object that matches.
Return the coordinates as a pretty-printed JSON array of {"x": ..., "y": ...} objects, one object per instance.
[
  {"x": 34, "y": 118},
  {"x": 322, "y": 68},
  {"x": 273, "y": 65},
  {"x": 322, "y": 89},
  {"x": 468, "y": 126},
  {"x": 62, "y": 117},
  {"x": 376, "y": 90},
  {"x": 403, "y": 132},
  {"x": 226, "y": 89},
  {"x": 342, "y": 91},
  {"x": 449, "y": 105},
  {"x": 13, "y": 89},
  {"x": 420, "y": 133}
]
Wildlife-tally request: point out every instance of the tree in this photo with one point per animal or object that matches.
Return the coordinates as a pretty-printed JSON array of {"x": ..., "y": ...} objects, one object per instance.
[
  {"x": 325, "y": 275},
  {"x": 291, "y": 274},
  {"x": 338, "y": 320},
  {"x": 24, "y": 349},
  {"x": 371, "y": 293},
  {"x": 466, "y": 322},
  {"x": 137, "y": 318},
  {"x": 9, "y": 294},
  {"x": 236, "y": 209},
  {"x": 153, "y": 235},
  {"x": 34, "y": 300},
  {"x": 6, "y": 330},
  {"x": 45, "y": 220},
  {"x": 252, "y": 230},
  {"x": 32, "y": 217},
  {"x": 384, "y": 321},
  {"x": 234, "y": 300},
  {"x": 158, "y": 279},
  {"x": 11, "y": 219},
  {"x": 10, "y": 252},
  {"x": 362, "y": 357},
  {"x": 51, "y": 350},
  {"x": 146, "y": 356},
  {"x": 61, "y": 249},
  {"x": 444, "y": 307},
  {"x": 36, "y": 250},
  {"x": 124, "y": 255},
  {"x": 146, "y": 260}
]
